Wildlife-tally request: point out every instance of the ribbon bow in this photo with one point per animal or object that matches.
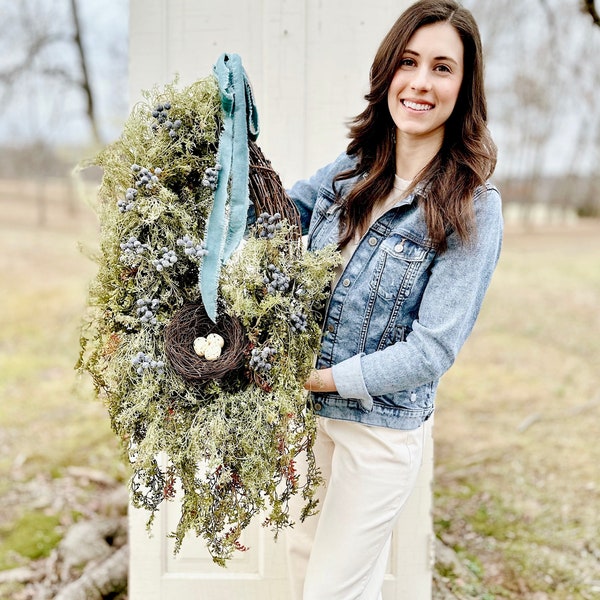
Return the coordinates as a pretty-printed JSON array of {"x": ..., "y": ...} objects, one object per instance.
[{"x": 227, "y": 220}]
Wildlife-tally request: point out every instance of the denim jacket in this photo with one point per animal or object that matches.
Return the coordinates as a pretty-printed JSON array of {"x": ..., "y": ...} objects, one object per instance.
[{"x": 400, "y": 311}]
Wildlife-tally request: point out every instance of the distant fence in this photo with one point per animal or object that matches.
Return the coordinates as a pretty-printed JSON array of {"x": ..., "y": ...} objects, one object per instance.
[
  {"x": 59, "y": 202},
  {"x": 46, "y": 202},
  {"x": 538, "y": 214}
]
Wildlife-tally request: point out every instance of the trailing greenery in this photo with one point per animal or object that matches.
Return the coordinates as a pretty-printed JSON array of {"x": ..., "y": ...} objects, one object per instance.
[{"x": 228, "y": 445}]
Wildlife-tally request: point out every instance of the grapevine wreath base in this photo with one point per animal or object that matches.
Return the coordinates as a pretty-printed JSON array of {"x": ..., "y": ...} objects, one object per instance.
[{"x": 232, "y": 427}]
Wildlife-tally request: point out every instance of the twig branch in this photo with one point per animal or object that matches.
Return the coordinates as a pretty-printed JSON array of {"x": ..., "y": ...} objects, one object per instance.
[{"x": 590, "y": 7}]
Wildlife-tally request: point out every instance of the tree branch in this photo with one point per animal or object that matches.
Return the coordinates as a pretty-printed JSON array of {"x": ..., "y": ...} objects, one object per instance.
[
  {"x": 589, "y": 7},
  {"x": 85, "y": 83}
]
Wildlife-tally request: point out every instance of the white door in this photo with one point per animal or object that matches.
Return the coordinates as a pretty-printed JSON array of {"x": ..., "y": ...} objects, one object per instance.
[
  {"x": 260, "y": 573},
  {"x": 309, "y": 62}
]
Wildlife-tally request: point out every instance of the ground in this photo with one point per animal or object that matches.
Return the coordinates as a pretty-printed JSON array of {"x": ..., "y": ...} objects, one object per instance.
[{"x": 517, "y": 481}]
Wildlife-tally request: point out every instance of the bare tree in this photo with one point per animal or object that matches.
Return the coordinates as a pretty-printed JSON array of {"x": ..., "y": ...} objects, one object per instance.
[
  {"x": 83, "y": 81},
  {"x": 43, "y": 49},
  {"x": 55, "y": 78},
  {"x": 543, "y": 64}
]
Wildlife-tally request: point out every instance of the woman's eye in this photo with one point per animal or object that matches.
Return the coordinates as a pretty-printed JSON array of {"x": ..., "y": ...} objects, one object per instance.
[
  {"x": 443, "y": 68},
  {"x": 407, "y": 62}
]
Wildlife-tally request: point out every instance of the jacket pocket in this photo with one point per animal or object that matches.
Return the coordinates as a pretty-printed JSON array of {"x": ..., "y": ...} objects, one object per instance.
[{"x": 400, "y": 261}]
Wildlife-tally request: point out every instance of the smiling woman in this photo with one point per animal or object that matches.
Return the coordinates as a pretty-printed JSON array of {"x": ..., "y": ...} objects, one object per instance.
[{"x": 419, "y": 230}]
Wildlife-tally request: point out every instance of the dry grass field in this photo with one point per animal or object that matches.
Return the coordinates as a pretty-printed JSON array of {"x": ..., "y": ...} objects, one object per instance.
[
  {"x": 517, "y": 486},
  {"x": 517, "y": 455}
]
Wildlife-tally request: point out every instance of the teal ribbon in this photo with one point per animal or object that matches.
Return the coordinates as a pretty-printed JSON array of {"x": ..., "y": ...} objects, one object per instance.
[{"x": 227, "y": 221}]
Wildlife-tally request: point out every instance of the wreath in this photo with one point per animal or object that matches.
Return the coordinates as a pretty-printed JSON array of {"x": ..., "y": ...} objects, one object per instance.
[{"x": 221, "y": 428}]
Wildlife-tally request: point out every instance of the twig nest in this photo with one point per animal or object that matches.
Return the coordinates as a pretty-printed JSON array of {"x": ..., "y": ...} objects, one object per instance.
[{"x": 196, "y": 351}]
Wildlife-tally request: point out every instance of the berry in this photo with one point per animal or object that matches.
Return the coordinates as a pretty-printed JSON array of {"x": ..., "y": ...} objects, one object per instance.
[
  {"x": 144, "y": 178},
  {"x": 299, "y": 321},
  {"x": 275, "y": 280},
  {"x": 267, "y": 225},
  {"x": 131, "y": 249},
  {"x": 146, "y": 310},
  {"x": 260, "y": 359},
  {"x": 211, "y": 177},
  {"x": 192, "y": 249},
  {"x": 167, "y": 259},
  {"x": 124, "y": 206},
  {"x": 160, "y": 113},
  {"x": 143, "y": 363}
]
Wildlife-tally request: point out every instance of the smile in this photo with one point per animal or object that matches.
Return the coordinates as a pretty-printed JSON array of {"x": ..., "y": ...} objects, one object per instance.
[{"x": 416, "y": 105}]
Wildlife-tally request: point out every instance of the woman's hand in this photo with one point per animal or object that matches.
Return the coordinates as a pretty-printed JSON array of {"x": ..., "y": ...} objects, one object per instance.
[{"x": 320, "y": 381}]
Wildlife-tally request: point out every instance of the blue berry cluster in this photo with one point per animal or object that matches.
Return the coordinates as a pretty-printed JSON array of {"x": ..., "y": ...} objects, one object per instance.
[
  {"x": 161, "y": 114},
  {"x": 259, "y": 359},
  {"x": 193, "y": 250},
  {"x": 299, "y": 321},
  {"x": 142, "y": 363},
  {"x": 211, "y": 177},
  {"x": 145, "y": 177},
  {"x": 275, "y": 280},
  {"x": 131, "y": 248},
  {"x": 267, "y": 225},
  {"x": 146, "y": 310},
  {"x": 168, "y": 259},
  {"x": 129, "y": 202}
]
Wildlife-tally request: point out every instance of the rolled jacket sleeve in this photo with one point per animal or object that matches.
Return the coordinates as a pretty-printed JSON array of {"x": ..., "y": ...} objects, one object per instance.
[{"x": 349, "y": 381}]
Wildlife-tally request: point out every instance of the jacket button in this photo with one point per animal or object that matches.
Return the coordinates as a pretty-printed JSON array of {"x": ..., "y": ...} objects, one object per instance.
[
  {"x": 318, "y": 406},
  {"x": 372, "y": 241},
  {"x": 399, "y": 247},
  {"x": 330, "y": 328},
  {"x": 346, "y": 282}
]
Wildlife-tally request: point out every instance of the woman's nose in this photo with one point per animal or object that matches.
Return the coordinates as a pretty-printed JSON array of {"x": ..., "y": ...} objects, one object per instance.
[{"x": 421, "y": 80}]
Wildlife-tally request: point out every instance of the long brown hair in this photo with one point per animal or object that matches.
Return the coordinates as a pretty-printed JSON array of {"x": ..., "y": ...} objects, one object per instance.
[{"x": 467, "y": 156}]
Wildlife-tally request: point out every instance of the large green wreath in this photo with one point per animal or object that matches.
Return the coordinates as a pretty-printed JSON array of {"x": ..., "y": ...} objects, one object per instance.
[{"x": 228, "y": 443}]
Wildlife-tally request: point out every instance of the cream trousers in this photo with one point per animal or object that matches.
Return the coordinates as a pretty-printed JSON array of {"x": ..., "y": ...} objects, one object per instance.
[{"x": 342, "y": 552}]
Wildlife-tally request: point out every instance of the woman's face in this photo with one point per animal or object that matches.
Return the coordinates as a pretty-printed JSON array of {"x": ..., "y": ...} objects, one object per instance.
[{"x": 424, "y": 89}]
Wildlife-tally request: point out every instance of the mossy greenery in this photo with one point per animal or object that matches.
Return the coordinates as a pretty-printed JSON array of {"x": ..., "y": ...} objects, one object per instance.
[
  {"x": 228, "y": 445},
  {"x": 32, "y": 536}
]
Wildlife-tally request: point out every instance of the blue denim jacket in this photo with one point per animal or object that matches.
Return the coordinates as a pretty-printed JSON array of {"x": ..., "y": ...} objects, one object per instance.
[{"x": 400, "y": 311}]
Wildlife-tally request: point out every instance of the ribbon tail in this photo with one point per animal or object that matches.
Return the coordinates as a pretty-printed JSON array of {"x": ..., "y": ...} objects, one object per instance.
[
  {"x": 215, "y": 228},
  {"x": 240, "y": 124}
]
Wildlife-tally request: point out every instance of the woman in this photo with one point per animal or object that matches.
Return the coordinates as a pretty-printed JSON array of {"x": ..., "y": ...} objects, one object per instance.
[{"x": 420, "y": 231}]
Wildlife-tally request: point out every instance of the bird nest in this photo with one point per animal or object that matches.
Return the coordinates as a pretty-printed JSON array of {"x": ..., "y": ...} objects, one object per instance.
[{"x": 191, "y": 322}]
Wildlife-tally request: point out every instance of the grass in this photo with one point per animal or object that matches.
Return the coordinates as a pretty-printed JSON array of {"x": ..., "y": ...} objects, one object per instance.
[
  {"x": 517, "y": 477},
  {"x": 517, "y": 481},
  {"x": 32, "y": 536},
  {"x": 48, "y": 419}
]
